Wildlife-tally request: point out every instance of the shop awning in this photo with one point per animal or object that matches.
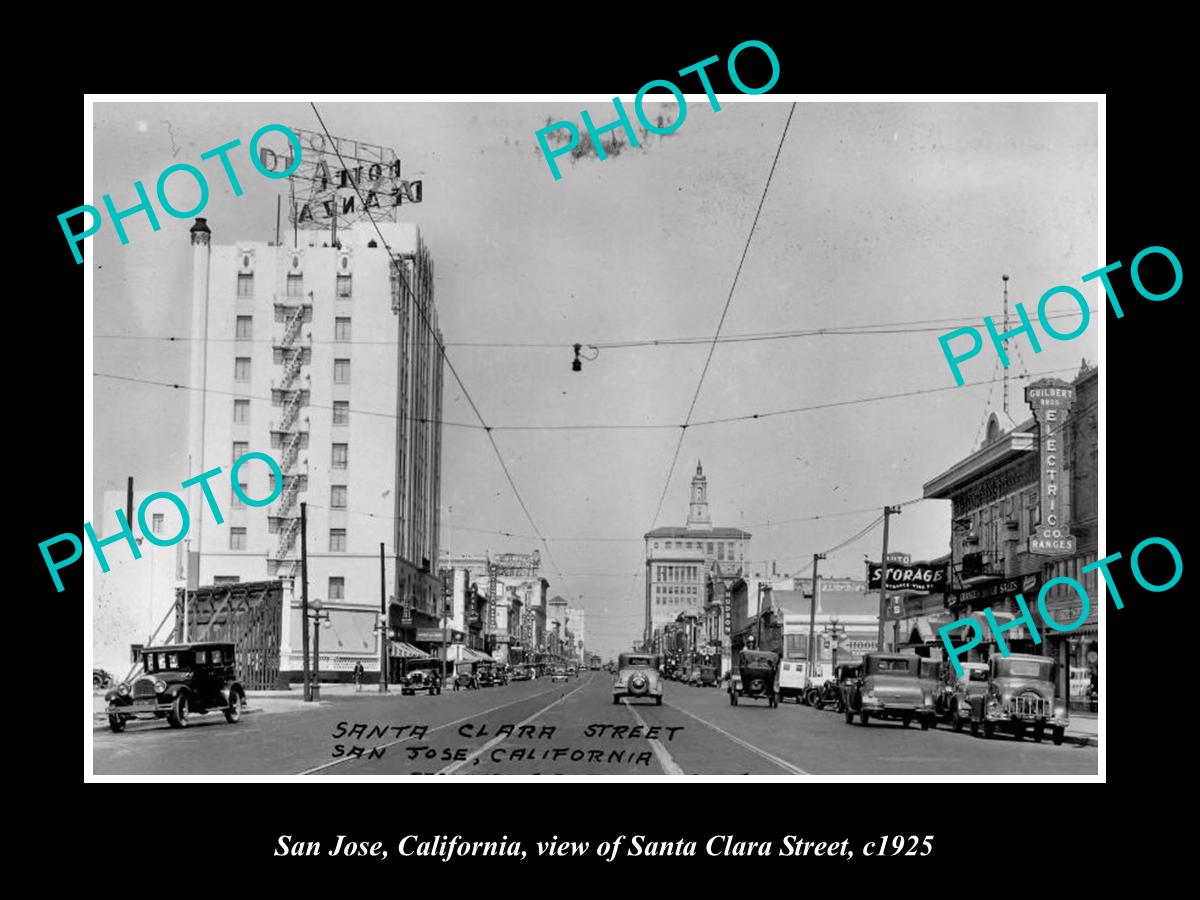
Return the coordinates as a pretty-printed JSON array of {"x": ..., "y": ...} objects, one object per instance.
[
  {"x": 923, "y": 633},
  {"x": 401, "y": 650},
  {"x": 469, "y": 655}
]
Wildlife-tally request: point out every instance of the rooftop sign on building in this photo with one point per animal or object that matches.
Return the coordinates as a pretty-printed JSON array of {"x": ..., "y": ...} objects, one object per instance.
[{"x": 342, "y": 179}]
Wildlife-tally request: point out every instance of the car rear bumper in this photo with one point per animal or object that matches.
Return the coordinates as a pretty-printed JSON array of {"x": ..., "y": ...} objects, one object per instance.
[{"x": 1014, "y": 720}]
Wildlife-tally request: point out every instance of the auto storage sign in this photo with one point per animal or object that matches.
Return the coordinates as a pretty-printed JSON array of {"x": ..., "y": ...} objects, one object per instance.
[{"x": 918, "y": 576}]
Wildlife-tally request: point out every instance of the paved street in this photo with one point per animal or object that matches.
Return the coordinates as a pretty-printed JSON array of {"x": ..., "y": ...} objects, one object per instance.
[{"x": 540, "y": 728}]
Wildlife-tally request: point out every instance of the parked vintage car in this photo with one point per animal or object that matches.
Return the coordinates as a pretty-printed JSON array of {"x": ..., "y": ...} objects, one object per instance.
[
  {"x": 708, "y": 676},
  {"x": 793, "y": 681},
  {"x": 520, "y": 673},
  {"x": 638, "y": 676},
  {"x": 929, "y": 671},
  {"x": 973, "y": 683},
  {"x": 845, "y": 675},
  {"x": 177, "y": 681},
  {"x": 890, "y": 687},
  {"x": 558, "y": 673},
  {"x": 101, "y": 679},
  {"x": 757, "y": 677},
  {"x": 1020, "y": 696},
  {"x": 422, "y": 675},
  {"x": 572, "y": 671}
]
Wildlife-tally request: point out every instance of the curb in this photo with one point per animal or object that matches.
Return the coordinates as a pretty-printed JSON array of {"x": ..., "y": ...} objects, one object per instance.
[{"x": 102, "y": 718}]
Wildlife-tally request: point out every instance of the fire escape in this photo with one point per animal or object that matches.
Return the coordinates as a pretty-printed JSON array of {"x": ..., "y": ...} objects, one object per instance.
[{"x": 292, "y": 389}]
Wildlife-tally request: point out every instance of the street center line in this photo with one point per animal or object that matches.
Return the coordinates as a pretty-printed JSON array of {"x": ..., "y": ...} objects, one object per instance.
[
  {"x": 782, "y": 763},
  {"x": 670, "y": 767},
  {"x": 430, "y": 731},
  {"x": 454, "y": 767}
]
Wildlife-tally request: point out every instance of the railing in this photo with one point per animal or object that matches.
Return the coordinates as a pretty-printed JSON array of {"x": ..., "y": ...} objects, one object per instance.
[
  {"x": 287, "y": 538},
  {"x": 291, "y": 411}
]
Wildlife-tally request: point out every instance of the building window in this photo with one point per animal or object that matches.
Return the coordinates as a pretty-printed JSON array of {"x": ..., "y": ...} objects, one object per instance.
[
  {"x": 337, "y": 496},
  {"x": 337, "y": 587},
  {"x": 241, "y": 411},
  {"x": 720, "y": 551},
  {"x": 237, "y": 538},
  {"x": 337, "y": 540},
  {"x": 236, "y": 499},
  {"x": 156, "y": 523},
  {"x": 668, "y": 545},
  {"x": 241, "y": 368},
  {"x": 295, "y": 285},
  {"x": 341, "y": 455},
  {"x": 343, "y": 286},
  {"x": 341, "y": 371},
  {"x": 710, "y": 548},
  {"x": 245, "y": 327},
  {"x": 245, "y": 284},
  {"x": 240, "y": 449},
  {"x": 341, "y": 328},
  {"x": 341, "y": 412}
]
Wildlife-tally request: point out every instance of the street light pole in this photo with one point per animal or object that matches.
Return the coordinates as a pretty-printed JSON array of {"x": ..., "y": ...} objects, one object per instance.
[
  {"x": 888, "y": 511},
  {"x": 812, "y": 618},
  {"x": 319, "y": 618}
]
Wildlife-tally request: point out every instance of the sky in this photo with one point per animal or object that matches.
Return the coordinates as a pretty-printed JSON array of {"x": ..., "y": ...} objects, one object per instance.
[{"x": 876, "y": 214}]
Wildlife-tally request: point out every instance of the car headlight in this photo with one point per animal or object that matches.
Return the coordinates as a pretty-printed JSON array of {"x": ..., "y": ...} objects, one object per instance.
[
  {"x": 123, "y": 689},
  {"x": 929, "y": 700},
  {"x": 159, "y": 686},
  {"x": 870, "y": 695}
]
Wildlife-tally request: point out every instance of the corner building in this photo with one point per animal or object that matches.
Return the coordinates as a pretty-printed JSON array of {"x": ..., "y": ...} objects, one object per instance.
[{"x": 328, "y": 358}]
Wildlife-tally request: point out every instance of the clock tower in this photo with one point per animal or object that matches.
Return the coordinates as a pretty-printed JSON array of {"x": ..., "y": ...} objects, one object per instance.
[{"x": 698, "y": 510}]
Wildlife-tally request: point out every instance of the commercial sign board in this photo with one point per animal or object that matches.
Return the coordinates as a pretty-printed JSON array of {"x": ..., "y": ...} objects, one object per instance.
[
  {"x": 1051, "y": 400},
  {"x": 1005, "y": 589},
  {"x": 436, "y": 636},
  {"x": 919, "y": 576},
  {"x": 339, "y": 178}
]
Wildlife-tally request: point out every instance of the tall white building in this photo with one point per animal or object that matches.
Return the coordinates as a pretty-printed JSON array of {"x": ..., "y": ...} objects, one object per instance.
[
  {"x": 328, "y": 359},
  {"x": 577, "y": 622}
]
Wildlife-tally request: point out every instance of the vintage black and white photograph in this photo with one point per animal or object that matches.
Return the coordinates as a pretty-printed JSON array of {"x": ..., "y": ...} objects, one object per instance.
[{"x": 753, "y": 435}]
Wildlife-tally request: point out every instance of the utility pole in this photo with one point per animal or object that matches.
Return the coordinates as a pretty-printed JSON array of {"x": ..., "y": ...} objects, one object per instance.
[
  {"x": 888, "y": 511},
  {"x": 445, "y": 625},
  {"x": 384, "y": 635},
  {"x": 304, "y": 593},
  {"x": 812, "y": 619}
]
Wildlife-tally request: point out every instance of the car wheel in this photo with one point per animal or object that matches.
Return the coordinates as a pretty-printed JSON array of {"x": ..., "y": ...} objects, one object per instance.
[
  {"x": 1019, "y": 732},
  {"x": 1039, "y": 733},
  {"x": 732, "y": 699},
  {"x": 849, "y": 715},
  {"x": 177, "y": 715},
  {"x": 862, "y": 718},
  {"x": 116, "y": 723},
  {"x": 233, "y": 712},
  {"x": 658, "y": 701},
  {"x": 957, "y": 722},
  {"x": 1057, "y": 735},
  {"x": 989, "y": 730},
  {"x": 925, "y": 721},
  {"x": 96, "y": 681},
  {"x": 974, "y": 728},
  {"x": 905, "y": 721},
  {"x": 616, "y": 701}
]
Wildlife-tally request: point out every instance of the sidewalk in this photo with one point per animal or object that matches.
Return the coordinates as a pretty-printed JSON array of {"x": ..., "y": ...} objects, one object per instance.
[{"x": 1083, "y": 730}]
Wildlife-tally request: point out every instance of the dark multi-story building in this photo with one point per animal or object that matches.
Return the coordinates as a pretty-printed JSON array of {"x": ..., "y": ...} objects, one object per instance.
[{"x": 1025, "y": 511}]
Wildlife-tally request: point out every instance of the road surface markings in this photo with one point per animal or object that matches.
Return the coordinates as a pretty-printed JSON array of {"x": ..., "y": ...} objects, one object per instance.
[
  {"x": 670, "y": 767},
  {"x": 782, "y": 763},
  {"x": 454, "y": 767},
  {"x": 483, "y": 712}
]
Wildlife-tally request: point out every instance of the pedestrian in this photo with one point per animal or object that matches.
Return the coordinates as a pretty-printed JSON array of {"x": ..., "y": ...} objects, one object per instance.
[{"x": 358, "y": 675}]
